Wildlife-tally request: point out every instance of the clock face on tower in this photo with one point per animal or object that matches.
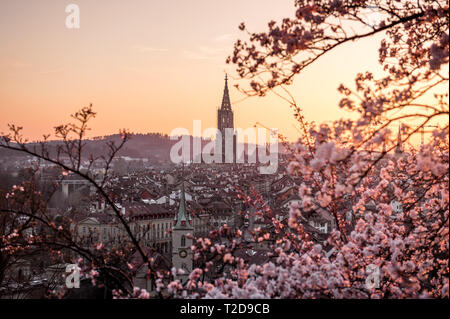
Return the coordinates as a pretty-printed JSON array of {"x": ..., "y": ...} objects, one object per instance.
[{"x": 182, "y": 253}]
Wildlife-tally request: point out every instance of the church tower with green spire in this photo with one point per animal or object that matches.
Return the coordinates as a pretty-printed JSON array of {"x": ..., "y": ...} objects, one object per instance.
[{"x": 182, "y": 255}]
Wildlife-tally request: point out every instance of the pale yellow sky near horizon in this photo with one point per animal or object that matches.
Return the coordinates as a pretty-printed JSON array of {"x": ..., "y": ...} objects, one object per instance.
[{"x": 151, "y": 66}]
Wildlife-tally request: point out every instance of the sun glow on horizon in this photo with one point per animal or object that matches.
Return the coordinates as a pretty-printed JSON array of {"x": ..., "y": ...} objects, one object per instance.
[{"x": 152, "y": 66}]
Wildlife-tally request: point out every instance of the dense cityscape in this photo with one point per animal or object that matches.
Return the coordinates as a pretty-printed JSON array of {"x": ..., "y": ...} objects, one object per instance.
[{"x": 152, "y": 197}]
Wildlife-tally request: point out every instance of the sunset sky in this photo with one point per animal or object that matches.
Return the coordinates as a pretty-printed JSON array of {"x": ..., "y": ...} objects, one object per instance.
[{"x": 151, "y": 66}]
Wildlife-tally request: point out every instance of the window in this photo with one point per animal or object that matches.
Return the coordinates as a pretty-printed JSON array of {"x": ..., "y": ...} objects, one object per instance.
[{"x": 183, "y": 241}]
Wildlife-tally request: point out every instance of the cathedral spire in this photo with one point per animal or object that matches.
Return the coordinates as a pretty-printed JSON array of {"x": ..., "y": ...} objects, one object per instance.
[{"x": 226, "y": 104}]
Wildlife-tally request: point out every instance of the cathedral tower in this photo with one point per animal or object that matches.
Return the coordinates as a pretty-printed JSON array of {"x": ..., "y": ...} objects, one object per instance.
[{"x": 225, "y": 121}]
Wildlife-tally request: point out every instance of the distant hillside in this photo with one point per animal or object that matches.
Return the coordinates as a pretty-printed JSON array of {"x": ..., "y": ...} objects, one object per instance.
[{"x": 153, "y": 146}]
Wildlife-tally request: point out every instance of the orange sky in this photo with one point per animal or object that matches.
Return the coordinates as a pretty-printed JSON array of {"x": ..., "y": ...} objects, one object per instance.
[{"x": 150, "y": 66}]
